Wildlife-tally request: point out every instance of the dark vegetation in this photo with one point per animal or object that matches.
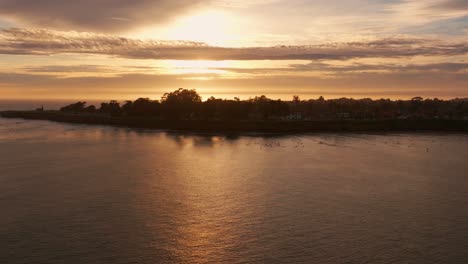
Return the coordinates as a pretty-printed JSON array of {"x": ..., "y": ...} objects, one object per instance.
[
  {"x": 185, "y": 104},
  {"x": 184, "y": 110}
]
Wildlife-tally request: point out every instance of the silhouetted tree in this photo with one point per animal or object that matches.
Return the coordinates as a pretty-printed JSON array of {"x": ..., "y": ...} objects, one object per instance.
[
  {"x": 90, "y": 109},
  {"x": 76, "y": 107},
  {"x": 187, "y": 104},
  {"x": 416, "y": 103},
  {"x": 142, "y": 107},
  {"x": 182, "y": 103},
  {"x": 264, "y": 108},
  {"x": 112, "y": 108}
]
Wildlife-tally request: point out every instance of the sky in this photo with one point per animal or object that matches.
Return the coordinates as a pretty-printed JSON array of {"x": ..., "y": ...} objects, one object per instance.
[{"x": 125, "y": 49}]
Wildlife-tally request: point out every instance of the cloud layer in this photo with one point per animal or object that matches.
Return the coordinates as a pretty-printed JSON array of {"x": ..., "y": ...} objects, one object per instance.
[
  {"x": 94, "y": 15},
  {"x": 45, "y": 42},
  {"x": 451, "y": 5}
]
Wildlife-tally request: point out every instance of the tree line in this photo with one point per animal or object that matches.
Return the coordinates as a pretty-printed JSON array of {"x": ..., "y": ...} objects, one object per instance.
[{"x": 188, "y": 104}]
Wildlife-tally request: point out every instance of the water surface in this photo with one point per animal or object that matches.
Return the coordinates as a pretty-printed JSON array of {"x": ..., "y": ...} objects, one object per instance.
[{"x": 94, "y": 194}]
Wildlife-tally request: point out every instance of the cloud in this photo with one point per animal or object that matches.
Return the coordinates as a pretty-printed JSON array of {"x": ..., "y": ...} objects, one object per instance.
[
  {"x": 447, "y": 67},
  {"x": 317, "y": 69},
  {"x": 337, "y": 71},
  {"x": 94, "y": 15},
  {"x": 451, "y": 5},
  {"x": 86, "y": 70},
  {"x": 419, "y": 12},
  {"x": 46, "y": 42}
]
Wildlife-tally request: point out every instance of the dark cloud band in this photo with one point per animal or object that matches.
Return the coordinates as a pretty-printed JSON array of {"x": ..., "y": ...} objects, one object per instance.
[
  {"x": 22, "y": 41},
  {"x": 94, "y": 15}
]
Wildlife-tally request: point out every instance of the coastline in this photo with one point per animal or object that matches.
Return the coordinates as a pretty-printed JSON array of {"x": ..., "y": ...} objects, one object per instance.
[{"x": 248, "y": 126}]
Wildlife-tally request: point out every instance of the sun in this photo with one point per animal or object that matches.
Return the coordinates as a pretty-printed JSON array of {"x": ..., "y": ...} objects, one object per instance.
[
  {"x": 208, "y": 27},
  {"x": 212, "y": 27}
]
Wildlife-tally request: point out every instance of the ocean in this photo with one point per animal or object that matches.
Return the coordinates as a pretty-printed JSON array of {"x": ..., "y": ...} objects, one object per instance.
[{"x": 96, "y": 194}]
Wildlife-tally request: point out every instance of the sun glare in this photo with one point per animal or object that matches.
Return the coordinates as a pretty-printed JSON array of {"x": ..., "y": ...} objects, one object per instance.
[{"x": 211, "y": 27}]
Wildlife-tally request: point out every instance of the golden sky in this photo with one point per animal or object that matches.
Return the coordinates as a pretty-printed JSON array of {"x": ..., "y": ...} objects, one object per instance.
[{"x": 107, "y": 49}]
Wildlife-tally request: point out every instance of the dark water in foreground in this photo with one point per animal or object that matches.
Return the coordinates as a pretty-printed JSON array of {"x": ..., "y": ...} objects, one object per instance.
[{"x": 91, "y": 194}]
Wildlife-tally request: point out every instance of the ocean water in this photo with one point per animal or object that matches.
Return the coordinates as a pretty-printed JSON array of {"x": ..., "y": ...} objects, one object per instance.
[{"x": 95, "y": 194}]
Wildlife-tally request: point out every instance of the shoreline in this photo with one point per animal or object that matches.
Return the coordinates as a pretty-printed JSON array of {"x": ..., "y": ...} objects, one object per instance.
[{"x": 248, "y": 126}]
